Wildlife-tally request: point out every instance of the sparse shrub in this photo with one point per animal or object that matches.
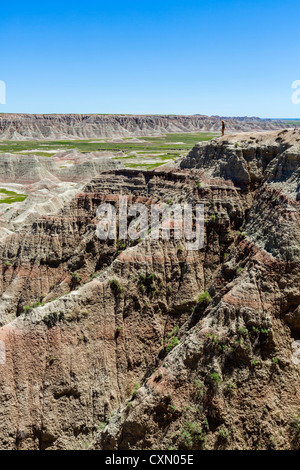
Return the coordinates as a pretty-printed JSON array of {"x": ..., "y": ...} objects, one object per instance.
[
  {"x": 230, "y": 387},
  {"x": 216, "y": 342},
  {"x": 264, "y": 331},
  {"x": 28, "y": 308},
  {"x": 192, "y": 435},
  {"x": 204, "y": 300},
  {"x": 243, "y": 331},
  {"x": 212, "y": 338},
  {"x": 147, "y": 282},
  {"x": 224, "y": 433},
  {"x": 174, "y": 342},
  {"x": 37, "y": 304},
  {"x": 206, "y": 424},
  {"x": 116, "y": 286},
  {"x": 295, "y": 426},
  {"x": 7, "y": 263},
  {"x": 200, "y": 388},
  {"x": 215, "y": 378},
  {"x": 135, "y": 389},
  {"x": 174, "y": 331},
  {"x": 121, "y": 245},
  {"x": 51, "y": 360},
  {"x": 52, "y": 318},
  {"x": 275, "y": 360},
  {"x": 198, "y": 184},
  {"x": 76, "y": 314},
  {"x": 118, "y": 329},
  {"x": 254, "y": 330},
  {"x": 273, "y": 443},
  {"x": 76, "y": 279}
]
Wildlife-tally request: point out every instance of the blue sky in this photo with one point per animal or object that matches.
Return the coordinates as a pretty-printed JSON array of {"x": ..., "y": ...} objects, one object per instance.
[{"x": 231, "y": 58}]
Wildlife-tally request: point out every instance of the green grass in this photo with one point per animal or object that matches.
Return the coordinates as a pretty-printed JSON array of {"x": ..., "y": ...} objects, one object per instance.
[
  {"x": 162, "y": 143},
  {"x": 11, "y": 197}
]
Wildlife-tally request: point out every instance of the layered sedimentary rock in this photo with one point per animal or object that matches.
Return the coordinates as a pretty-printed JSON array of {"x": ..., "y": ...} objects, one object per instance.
[
  {"x": 48, "y": 182},
  {"x": 80, "y": 126},
  {"x": 122, "y": 352}
]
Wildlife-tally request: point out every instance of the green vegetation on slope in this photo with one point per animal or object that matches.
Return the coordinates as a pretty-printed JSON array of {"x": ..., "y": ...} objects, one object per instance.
[{"x": 11, "y": 197}]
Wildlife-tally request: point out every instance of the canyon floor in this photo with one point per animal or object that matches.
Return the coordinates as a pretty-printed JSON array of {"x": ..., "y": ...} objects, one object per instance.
[{"x": 145, "y": 344}]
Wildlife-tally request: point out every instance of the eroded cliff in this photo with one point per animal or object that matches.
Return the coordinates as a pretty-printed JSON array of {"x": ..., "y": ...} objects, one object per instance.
[{"x": 80, "y": 126}]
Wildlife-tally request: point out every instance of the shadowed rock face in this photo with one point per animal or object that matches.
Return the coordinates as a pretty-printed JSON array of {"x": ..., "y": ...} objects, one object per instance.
[
  {"x": 80, "y": 126},
  {"x": 231, "y": 382}
]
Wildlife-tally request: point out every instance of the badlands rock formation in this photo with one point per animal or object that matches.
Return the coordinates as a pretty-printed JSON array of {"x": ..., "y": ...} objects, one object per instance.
[
  {"x": 143, "y": 344},
  {"x": 48, "y": 182},
  {"x": 79, "y": 126}
]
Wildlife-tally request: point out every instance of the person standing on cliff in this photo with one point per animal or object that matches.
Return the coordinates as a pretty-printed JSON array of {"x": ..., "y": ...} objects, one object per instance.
[{"x": 223, "y": 128}]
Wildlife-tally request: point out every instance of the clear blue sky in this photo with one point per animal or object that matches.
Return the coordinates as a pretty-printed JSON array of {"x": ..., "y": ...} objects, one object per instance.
[{"x": 176, "y": 57}]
